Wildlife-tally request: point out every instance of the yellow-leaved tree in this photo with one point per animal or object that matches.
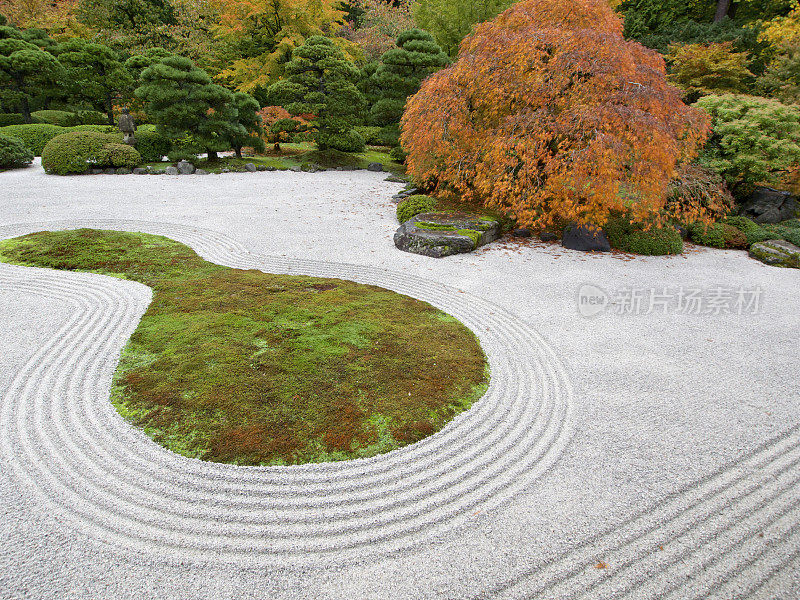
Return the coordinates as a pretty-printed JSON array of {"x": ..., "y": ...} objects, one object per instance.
[{"x": 263, "y": 33}]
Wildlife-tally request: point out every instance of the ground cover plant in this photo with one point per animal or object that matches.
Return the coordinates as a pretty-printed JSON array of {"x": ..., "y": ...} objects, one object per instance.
[{"x": 249, "y": 368}]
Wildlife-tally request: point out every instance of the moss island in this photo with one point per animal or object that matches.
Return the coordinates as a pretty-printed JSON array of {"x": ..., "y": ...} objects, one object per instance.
[{"x": 250, "y": 368}]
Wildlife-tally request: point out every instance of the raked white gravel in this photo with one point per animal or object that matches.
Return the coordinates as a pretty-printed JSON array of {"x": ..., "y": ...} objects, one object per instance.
[{"x": 650, "y": 455}]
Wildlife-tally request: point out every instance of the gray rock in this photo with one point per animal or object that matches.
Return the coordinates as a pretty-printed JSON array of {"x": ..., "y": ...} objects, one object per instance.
[
  {"x": 109, "y": 171},
  {"x": 295, "y": 169},
  {"x": 124, "y": 171},
  {"x": 140, "y": 171},
  {"x": 522, "y": 232},
  {"x": 444, "y": 234},
  {"x": 157, "y": 172},
  {"x": 201, "y": 172},
  {"x": 250, "y": 167},
  {"x": 225, "y": 170},
  {"x": 767, "y": 205},
  {"x": 95, "y": 171},
  {"x": 375, "y": 166},
  {"x": 585, "y": 239},
  {"x": 171, "y": 171},
  {"x": 778, "y": 253},
  {"x": 185, "y": 167},
  {"x": 261, "y": 168},
  {"x": 548, "y": 236},
  {"x": 270, "y": 168}
]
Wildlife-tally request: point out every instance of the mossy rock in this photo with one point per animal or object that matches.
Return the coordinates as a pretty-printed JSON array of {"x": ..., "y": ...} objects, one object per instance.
[
  {"x": 444, "y": 234},
  {"x": 778, "y": 253}
]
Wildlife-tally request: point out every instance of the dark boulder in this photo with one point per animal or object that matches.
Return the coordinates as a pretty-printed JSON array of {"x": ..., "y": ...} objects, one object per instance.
[
  {"x": 767, "y": 205},
  {"x": 585, "y": 239}
]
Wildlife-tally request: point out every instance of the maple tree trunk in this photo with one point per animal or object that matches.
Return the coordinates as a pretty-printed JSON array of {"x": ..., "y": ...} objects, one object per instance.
[{"x": 723, "y": 7}]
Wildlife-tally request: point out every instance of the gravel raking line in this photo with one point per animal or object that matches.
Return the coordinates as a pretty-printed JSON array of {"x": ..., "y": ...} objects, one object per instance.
[{"x": 115, "y": 485}]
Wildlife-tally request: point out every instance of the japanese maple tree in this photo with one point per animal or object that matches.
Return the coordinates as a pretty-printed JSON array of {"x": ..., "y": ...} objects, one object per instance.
[{"x": 549, "y": 114}]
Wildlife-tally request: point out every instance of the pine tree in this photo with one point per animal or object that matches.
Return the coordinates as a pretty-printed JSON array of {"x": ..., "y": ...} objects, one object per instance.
[
  {"x": 180, "y": 98},
  {"x": 26, "y": 71},
  {"x": 247, "y": 116},
  {"x": 402, "y": 71},
  {"x": 95, "y": 73},
  {"x": 321, "y": 81}
]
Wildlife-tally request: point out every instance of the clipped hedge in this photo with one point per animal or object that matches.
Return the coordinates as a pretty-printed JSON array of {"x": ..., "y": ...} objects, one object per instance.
[
  {"x": 152, "y": 145},
  {"x": 62, "y": 118},
  {"x": 119, "y": 155},
  {"x": 14, "y": 153},
  {"x": 753, "y": 231},
  {"x": 98, "y": 128},
  {"x": 92, "y": 117},
  {"x": 415, "y": 205},
  {"x": 34, "y": 136},
  {"x": 718, "y": 235},
  {"x": 656, "y": 241},
  {"x": 11, "y": 119},
  {"x": 349, "y": 141},
  {"x": 75, "y": 152},
  {"x": 370, "y": 134}
]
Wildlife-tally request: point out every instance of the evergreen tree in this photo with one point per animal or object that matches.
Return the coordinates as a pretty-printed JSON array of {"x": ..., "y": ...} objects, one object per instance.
[
  {"x": 247, "y": 116},
  {"x": 321, "y": 81},
  {"x": 402, "y": 71},
  {"x": 26, "y": 71},
  {"x": 180, "y": 98},
  {"x": 139, "y": 62},
  {"x": 95, "y": 73}
]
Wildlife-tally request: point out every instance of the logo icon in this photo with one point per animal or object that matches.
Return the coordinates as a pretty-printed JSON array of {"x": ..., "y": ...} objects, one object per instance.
[{"x": 592, "y": 300}]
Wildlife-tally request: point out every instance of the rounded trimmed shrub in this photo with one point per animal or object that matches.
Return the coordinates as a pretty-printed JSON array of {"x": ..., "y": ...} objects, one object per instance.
[
  {"x": 74, "y": 152},
  {"x": 11, "y": 119},
  {"x": 34, "y": 136},
  {"x": 415, "y": 205},
  {"x": 397, "y": 154},
  {"x": 656, "y": 241},
  {"x": 151, "y": 145},
  {"x": 14, "y": 153},
  {"x": 753, "y": 231},
  {"x": 119, "y": 155},
  {"x": 349, "y": 141},
  {"x": 92, "y": 117},
  {"x": 718, "y": 235},
  {"x": 62, "y": 118},
  {"x": 98, "y": 128}
]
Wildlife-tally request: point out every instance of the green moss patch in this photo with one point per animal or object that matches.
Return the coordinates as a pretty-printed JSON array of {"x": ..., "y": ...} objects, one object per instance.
[{"x": 245, "y": 367}]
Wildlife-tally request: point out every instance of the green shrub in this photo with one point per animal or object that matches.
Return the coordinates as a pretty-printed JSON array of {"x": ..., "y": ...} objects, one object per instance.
[
  {"x": 91, "y": 117},
  {"x": 415, "y": 205},
  {"x": 119, "y": 155},
  {"x": 397, "y": 154},
  {"x": 184, "y": 148},
  {"x": 718, "y": 235},
  {"x": 754, "y": 140},
  {"x": 370, "y": 134},
  {"x": 388, "y": 136},
  {"x": 348, "y": 141},
  {"x": 34, "y": 136},
  {"x": 74, "y": 152},
  {"x": 656, "y": 241},
  {"x": 98, "y": 128},
  {"x": 14, "y": 153},
  {"x": 752, "y": 230},
  {"x": 55, "y": 117},
  {"x": 151, "y": 145},
  {"x": 783, "y": 231},
  {"x": 11, "y": 119}
]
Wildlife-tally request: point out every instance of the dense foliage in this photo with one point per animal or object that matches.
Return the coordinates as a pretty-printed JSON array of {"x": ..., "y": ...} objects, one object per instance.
[
  {"x": 401, "y": 72},
  {"x": 14, "y": 153},
  {"x": 550, "y": 115},
  {"x": 414, "y": 205},
  {"x": 34, "y": 136},
  {"x": 320, "y": 81},
  {"x": 755, "y": 139},
  {"x": 77, "y": 151},
  {"x": 450, "y": 21}
]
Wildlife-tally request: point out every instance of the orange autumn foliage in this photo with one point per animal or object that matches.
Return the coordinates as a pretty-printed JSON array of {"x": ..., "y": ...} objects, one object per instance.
[{"x": 550, "y": 115}]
